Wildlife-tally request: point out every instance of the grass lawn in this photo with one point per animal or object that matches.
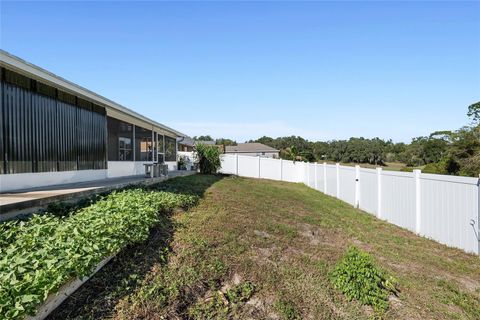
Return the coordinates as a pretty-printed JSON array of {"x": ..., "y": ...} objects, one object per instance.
[{"x": 259, "y": 249}]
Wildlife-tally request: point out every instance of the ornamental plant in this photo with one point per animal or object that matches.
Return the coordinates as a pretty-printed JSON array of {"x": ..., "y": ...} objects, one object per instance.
[
  {"x": 208, "y": 158},
  {"x": 358, "y": 277},
  {"x": 41, "y": 254}
]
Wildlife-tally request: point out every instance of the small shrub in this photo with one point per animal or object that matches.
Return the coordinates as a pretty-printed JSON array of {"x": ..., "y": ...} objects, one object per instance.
[
  {"x": 435, "y": 168},
  {"x": 357, "y": 276},
  {"x": 240, "y": 293},
  {"x": 447, "y": 165},
  {"x": 216, "y": 307},
  {"x": 208, "y": 158},
  {"x": 287, "y": 310},
  {"x": 220, "y": 305}
]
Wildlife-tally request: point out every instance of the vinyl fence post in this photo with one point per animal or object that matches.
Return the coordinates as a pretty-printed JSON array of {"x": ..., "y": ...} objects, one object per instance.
[
  {"x": 379, "y": 193},
  {"x": 307, "y": 170},
  {"x": 338, "y": 179},
  {"x": 478, "y": 216},
  {"x": 315, "y": 181},
  {"x": 418, "y": 204},
  {"x": 357, "y": 186},
  {"x": 258, "y": 166},
  {"x": 325, "y": 177},
  {"x": 281, "y": 169},
  {"x": 236, "y": 164}
]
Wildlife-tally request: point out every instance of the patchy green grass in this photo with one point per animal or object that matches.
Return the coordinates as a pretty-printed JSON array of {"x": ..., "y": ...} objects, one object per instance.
[{"x": 262, "y": 249}]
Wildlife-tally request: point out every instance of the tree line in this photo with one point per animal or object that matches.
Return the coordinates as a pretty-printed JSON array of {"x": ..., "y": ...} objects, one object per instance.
[{"x": 444, "y": 152}]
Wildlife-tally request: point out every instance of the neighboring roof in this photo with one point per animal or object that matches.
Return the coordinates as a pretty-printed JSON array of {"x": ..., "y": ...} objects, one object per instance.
[
  {"x": 208, "y": 143},
  {"x": 187, "y": 141},
  {"x": 33, "y": 71},
  {"x": 249, "y": 147}
]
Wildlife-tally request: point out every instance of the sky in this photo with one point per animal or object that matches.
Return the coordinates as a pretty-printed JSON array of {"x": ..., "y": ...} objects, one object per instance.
[{"x": 321, "y": 70}]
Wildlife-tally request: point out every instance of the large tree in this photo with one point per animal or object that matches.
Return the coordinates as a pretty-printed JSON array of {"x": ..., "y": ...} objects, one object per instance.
[
  {"x": 203, "y": 138},
  {"x": 474, "y": 112}
]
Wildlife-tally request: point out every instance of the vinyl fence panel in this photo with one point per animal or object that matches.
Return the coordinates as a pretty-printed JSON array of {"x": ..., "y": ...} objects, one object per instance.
[
  {"x": 347, "y": 184},
  {"x": 311, "y": 175},
  {"x": 269, "y": 168},
  {"x": 228, "y": 164},
  {"x": 331, "y": 178},
  {"x": 248, "y": 166},
  {"x": 320, "y": 178},
  {"x": 290, "y": 171},
  {"x": 368, "y": 190},
  {"x": 398, "y": 199},
  {"x": 448, "y": 206}
]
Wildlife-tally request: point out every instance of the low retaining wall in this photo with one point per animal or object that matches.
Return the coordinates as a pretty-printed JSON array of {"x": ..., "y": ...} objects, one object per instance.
[{"x": 56, "y": 299}]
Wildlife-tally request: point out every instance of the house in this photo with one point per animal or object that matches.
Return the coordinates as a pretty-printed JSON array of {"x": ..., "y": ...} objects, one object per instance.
[
  {"x": 205, "y": 142},
  {"x": 185, "y": 144},
  {"x": 53, "y": 131},
  {"x": 253, "y": 149}
]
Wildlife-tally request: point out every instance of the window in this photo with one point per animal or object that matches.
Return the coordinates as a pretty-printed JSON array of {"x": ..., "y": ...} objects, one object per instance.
[
  {"x": 161, "y": 148},
  {"x": 143, "y": 144},
  {"x": 124, "y": 149},
  {"x": 120, "y": 140},
  {"x": 170, "y": 149}
]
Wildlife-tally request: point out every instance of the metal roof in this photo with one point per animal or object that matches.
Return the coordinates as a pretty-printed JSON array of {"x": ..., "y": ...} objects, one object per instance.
[{"x": 35, "y": 72}]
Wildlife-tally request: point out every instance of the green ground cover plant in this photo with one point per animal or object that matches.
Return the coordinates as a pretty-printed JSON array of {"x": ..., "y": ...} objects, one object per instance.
[
  {"x": 39, "y": 255},
  {"x": 359, "y": 278}
]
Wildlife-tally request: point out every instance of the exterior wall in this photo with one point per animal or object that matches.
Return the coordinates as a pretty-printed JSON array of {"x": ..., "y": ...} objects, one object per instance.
[
  {"x": 172, "y": 165},
  {"x": 125, "y": 168},
  {"x": 132, "y": 168},
  {"x": 11, "y": 182},
  {"x": 256, "y": 154},
  {"x": 18, "y": 181}
]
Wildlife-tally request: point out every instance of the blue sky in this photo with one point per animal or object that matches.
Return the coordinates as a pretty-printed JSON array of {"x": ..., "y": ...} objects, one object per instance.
[{"x": 322, "y": 70}]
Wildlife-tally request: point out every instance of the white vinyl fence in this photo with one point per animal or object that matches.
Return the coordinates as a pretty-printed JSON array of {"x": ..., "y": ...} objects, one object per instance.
[{"x": 443, "y": 208}]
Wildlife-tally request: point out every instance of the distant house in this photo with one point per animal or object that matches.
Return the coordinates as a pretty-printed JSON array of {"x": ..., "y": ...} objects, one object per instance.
[
  {"x": 205, "y": 142},
  {"x": 252, "y": 149},
  {"x": 185, "y": 144}
]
